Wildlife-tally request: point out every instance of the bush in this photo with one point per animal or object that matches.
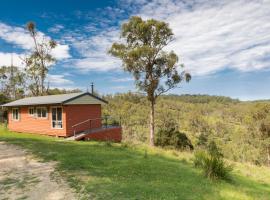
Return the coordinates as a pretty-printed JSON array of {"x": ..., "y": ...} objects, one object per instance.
[
  {"x": 173, "y": 138},
  {"x": 199, "y": 158},
  {"x": 212, "y": 163}
]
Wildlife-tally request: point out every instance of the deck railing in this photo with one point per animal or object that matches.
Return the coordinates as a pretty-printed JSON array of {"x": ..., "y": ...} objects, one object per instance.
[{"x": 106, "y": 121}]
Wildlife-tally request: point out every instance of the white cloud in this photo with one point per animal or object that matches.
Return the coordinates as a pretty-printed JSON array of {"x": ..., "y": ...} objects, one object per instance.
[
  {"x": 56, "y": 28},
  {"x": 212, "y": 37},
  {"x": 126, "y": 79},
  {"x": 15, "y": 35},
  {"x": 61, "y": 52},
  {"x": 119, "y": 87},
  {"x": 96, "y": 64},
  {"x": 94, "y": 52},
  {"x": 209, "y": 35},
  {"x": 58, "y": 80},
  {"x": 19, "y": 37},
  {"x": 5, "y": 59}
]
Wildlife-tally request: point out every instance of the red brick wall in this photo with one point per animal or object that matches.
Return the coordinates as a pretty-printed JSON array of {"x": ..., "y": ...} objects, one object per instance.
[
  {"x": 31, "y": 124},
  {"x": 111, "y": 134},
  {"x": 79, "y": 113}
]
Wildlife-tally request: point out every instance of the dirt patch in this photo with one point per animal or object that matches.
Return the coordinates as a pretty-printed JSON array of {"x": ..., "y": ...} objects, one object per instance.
[{"x": 24, "y": 177}]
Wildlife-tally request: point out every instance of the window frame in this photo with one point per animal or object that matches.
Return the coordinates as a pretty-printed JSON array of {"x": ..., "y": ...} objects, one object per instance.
[
  {"x": 32, "y": 115},
  {"x": 57, "y": 120},
  {"x": 41, "y": 107},
  {"x": 18, "y": 110}
]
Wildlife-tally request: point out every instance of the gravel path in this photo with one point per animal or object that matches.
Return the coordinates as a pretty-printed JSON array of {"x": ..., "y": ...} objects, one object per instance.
[{"x": 24, "y": 177}]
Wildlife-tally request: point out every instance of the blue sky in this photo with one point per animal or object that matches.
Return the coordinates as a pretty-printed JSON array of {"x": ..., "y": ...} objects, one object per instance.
[{"x": 225, "y": 45}]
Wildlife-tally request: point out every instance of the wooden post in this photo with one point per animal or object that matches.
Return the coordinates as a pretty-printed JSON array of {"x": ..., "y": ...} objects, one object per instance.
[{"x": 6, "y": 123}]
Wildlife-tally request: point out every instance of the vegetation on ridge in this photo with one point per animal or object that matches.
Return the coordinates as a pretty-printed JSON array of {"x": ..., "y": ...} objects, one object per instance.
[{"x": 240, "y": 129}]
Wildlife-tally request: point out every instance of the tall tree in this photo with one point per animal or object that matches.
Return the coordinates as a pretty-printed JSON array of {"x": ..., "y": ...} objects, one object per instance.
[
  {"x": 143, "y": 55},
  {"x": 39, "y": 61}
]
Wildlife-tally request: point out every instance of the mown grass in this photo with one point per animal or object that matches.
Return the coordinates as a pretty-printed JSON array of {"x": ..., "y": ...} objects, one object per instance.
[{"x": 118, "y": 171}]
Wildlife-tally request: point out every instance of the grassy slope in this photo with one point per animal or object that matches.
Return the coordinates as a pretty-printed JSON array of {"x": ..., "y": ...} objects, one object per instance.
[{"x": 119, "y": 172}]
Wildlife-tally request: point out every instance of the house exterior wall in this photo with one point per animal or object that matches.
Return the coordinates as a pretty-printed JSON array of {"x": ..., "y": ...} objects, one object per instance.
[
  {"x": 111, "y": 134},
  {"x": 32, "y": 124},
  {"x": 72, "y": 114},
  {"x": 79, "y": 113}
]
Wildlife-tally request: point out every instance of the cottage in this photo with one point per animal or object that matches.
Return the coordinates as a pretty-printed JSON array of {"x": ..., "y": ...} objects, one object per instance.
[{"x": 75, "y": 115}]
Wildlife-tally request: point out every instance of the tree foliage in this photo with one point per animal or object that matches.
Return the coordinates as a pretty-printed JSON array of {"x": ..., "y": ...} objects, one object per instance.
[
  {"x": 39, "y": 61},
  {"x": 12, "y": 82}
]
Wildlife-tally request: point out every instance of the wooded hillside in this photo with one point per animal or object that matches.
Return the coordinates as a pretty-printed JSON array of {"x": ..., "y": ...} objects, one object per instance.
[{"x": 240, "y": 129}]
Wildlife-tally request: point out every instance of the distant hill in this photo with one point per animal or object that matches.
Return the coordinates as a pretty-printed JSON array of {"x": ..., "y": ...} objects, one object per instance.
[{"x": 200, "y": 98}]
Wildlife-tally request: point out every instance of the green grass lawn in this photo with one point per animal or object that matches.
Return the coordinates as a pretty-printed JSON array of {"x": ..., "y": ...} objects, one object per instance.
[{"x": 118, "y": 171}]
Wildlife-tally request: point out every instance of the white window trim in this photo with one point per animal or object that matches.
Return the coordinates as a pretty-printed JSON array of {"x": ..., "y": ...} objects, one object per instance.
[
  {"x": 52, "y": 117},
  {"x": 32, "y": 115},
  {"x": 41, "y": 112},
  {"x": 13, "y": 115}
]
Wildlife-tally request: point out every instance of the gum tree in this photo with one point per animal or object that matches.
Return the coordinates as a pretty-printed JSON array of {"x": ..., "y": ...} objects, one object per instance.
[
  {"x": 155, "y": 70},
  {"x": 39, "y": 61}
]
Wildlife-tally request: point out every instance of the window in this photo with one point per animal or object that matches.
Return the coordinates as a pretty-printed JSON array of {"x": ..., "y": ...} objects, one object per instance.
[
  {"x": 41, "y": 112},
  {"x": 15, "y": 114},
  {"x": 57, "y": 117},
  {"x": 31, "y": 111}
]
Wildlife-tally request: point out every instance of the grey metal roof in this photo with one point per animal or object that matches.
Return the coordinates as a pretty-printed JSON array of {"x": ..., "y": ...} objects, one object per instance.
[{"x": 50, "y": 99}]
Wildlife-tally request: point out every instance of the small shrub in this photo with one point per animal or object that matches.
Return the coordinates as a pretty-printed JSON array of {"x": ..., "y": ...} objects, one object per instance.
[
  {"x": 145, "y": 154},
  {"x": 124, "y": 145},
  {"x": 108, "y": 143},
  {"x": 212, "y": 163},
  {"x": 202, "y": 140},
  {"x": 216, "y": 168},
  {"x": 184, "y": 161},
  {"x": 175, "y": 153},
  {"x": 173, "y": 138},
  {"x": 199, "y": 158}
]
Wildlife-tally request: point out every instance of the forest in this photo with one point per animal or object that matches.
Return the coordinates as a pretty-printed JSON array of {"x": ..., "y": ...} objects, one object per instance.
[{"x": 240, "y": 129}]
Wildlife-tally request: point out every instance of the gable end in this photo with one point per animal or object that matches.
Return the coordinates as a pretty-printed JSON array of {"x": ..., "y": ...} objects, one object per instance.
[{"x": 85, "y": 98}]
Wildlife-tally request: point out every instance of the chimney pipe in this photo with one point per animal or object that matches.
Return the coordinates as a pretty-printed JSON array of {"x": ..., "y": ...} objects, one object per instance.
[{"x": 92, "y": 88}]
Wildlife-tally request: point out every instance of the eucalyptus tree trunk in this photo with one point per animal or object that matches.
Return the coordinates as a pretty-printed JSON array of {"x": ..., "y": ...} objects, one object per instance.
[
  {"x": 152, "y": 123},
  {"x": 268, "y": 156}
]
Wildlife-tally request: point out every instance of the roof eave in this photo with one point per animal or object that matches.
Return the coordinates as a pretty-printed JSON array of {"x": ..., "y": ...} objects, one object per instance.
[{"x": 34, "y": 104}]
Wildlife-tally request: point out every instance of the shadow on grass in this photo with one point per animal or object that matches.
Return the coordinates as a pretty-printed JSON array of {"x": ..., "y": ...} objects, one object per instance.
[{"x": 115, "y": 172}]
